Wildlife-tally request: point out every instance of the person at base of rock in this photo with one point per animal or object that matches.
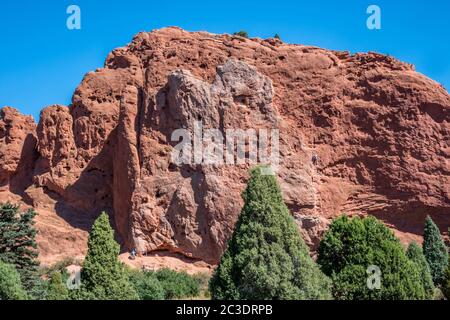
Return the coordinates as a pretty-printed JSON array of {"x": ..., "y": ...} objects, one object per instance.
[
  {"x": 315, "y": 159},
  {"x": 133, "y": 254}
]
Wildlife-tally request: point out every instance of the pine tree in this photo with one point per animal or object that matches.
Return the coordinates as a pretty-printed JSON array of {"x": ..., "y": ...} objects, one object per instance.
[
  {"x": 415, "y": 254},
  {"x": 356, "y": 252},
  {"x": 266, "y": 257},
  {"x": 434, "y": 250},
  {"x": 446, "y": 281},
  {"x": 57, "y": 289},
  {"x": 10, "y": 283},
  {"x": 103, "y": 276},
  {"x": 18, "y": 244}
]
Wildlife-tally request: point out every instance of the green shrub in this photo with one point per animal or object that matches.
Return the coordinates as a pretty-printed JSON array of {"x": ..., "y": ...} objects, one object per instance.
[
  {"x": 435, "y": 251},
  {"x": 266, "y": 257},
  {"x": 57, "y": 289},
  {"x": 202, "y": 279},
  {"x": 177, "y": 285},
  {"x": 147, "y": 285},
  {"x": 415, "y": 254},
  {"x": 39, "y": 289},
  {"x": 59, "y": 266},
  {"x": 351, "y": 246},
  {"x": 277, "y": 36},
  {"x": 10, "y": 283},
  {"x": 164, "y": 284},
  {"x": 241, "y": 33},
  {"x": 344, "y": 285},
  {"x": 103, "y": 276}
]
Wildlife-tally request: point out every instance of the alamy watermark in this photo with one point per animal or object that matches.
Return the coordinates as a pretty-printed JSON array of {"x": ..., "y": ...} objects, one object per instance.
[
  {"x": 374, "y": 279},
  {"x": 74, "y": 280},
  {"x": 73, "y": 21},
  {"x": 233, "y": 147},
  {"x": 374, "y": 20}
]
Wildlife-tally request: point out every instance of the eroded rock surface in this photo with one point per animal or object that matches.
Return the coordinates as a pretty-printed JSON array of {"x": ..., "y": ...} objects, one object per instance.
[{"x": 380, "y": 130}]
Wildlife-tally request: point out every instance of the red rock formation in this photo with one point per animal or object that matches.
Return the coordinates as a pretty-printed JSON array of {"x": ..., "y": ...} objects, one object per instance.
[
  {"x": 17, "y": 152},
  {"x": 380, "y": 130}
]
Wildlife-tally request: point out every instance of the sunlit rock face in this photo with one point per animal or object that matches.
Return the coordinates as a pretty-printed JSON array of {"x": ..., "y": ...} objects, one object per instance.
[{"x": 379, "y": 129}]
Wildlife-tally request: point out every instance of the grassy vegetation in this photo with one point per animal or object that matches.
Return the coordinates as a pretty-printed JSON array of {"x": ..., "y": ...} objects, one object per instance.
[{"x": 169, "y": 285}]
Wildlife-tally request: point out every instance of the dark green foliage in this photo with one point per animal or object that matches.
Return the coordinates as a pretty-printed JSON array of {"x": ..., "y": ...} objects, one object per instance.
[
  {"x": 39, "y": 290},
  {"x": 103, "y": 276},
  {"x": 446, "y": 282},
  {"x": 241, "y": 33},
  {"x": 18, "y": 244},
  {"x": 266, "y": 257},
  {"x": 277, "y": 36},
  {"x": 57, "y": 289},
  {"x": 415, "y": 254},
  {"x": 435, "y": 251},
  {"x": 344, "y": 286},
  {"x": 147, "y": 285},
  {"x": 10, "y": 283},
  {"x": 351, "y": 246},
  {"x": 164, "y": 284},
  {"x": 177, "y": 285}
]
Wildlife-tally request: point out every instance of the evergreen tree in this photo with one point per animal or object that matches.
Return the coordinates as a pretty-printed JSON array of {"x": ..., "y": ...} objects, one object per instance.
[
  {"x": 57, "y": 289},
  {"x": 434, "y": 250},
  {"x": 18, "y": 244},
  {"x": 415, "y": 254},
  {"x": 266, "y": 257},
  {"x": 446, "y": 281},
  {"x": 10, "y": 283},
  {"x": 358, "y": 252},
  {"x": 103, "y": 276}
]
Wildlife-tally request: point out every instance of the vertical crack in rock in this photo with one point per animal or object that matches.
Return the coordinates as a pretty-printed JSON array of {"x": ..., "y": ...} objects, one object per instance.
[{"x": 126, "y": 161}]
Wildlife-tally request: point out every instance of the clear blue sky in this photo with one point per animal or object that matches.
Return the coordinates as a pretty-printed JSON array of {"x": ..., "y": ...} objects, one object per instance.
[{"x": 42, "y": 62}]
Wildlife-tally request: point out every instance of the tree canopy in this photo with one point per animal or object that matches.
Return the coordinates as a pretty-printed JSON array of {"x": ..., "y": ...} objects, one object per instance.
[
  {"x": 435, "y": 250},
  {"x": 18, "y": 244},
  {"x": 103, "y": 276},
  {"x": 266, "y": 257},
  {"x": 367, "y": 262},
  {"x": 415, "y": 254},
  {"x": 10, "y": 283}
]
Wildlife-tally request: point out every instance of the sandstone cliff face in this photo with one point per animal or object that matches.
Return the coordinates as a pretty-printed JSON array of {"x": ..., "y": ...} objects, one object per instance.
[
  {"x": 380, "y": 130},
  {"x": 17, "y": 156}
]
